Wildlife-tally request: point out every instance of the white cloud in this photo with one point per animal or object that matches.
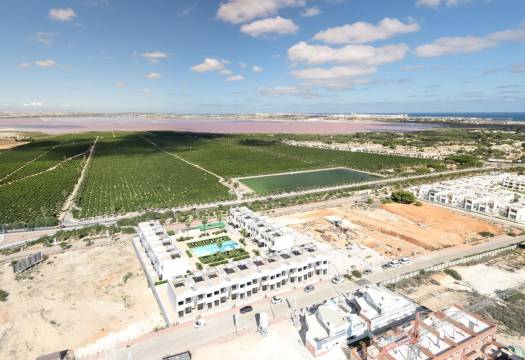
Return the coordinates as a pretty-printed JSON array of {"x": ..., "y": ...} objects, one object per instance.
[
  {"x": 303, "y": 52},
  {"x": 226, "y": 72},
  {"x": 34, "y": 104},
  {"x": 153, "y": 76},
  {"x": 209, "y": 64},
  {"x": 240, "y": 11},
  {"x": 48, "y": 63},
  {"x": 24, "y": 65},
  {"x": 242, "y": 65},
  {"x": 276, "y": 25},
  {"x": 363, "y": 32},
  {"x": 337, "y": 77},
  {"x": 469, "y": 44},
  {"x": 234, "y": 78},
  {"x": 66, "y": 14},
  {"x": 257, "y": 69},
  {"x": 436, "y": 3},
  {"x": 154, "y": 56},
  {"x": 310, "y": 12},
  {"x": 147, "y": 91},
  {"x": 46, "y": 38}
]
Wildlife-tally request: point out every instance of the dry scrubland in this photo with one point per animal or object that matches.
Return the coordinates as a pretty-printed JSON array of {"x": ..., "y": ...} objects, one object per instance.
[
  {"x": 74, "y": 299},
  {"x": 478, "y": 282},
  {"x": 395, "y": 229}
]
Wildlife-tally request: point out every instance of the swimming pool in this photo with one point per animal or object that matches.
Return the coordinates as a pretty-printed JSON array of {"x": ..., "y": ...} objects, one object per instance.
[{"x": 213, "y": 248}]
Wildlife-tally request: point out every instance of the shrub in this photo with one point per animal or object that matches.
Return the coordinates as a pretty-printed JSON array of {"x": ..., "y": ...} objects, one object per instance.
[
  {"x": 486, "y": 234},
  {"x": 160, "y": 282},
  {"x": 3, "y": 295},
  {"x": 189, "y": 253},
  {"x": 357, "y": 273},
  {"x": 403, "y": 197},
  {"x": 453, "y": 273},
  {"x": 199, "y": 266}
]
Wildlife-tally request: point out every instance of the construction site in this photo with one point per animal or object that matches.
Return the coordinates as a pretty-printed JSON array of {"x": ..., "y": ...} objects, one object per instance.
[
  {"x": 394, "y": 230},
  {"x": 494, "y": 289}
]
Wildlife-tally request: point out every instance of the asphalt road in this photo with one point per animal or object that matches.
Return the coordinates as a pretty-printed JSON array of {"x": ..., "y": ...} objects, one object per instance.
[{"x": 221, "y": 326}]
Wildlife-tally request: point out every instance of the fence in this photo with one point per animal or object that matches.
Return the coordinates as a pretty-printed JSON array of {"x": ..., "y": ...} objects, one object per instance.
[{"x": 447, "y": 264}]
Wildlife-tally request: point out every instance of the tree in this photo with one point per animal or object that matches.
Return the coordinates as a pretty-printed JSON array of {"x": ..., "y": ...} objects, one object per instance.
[{"x": 403, "y": 197}]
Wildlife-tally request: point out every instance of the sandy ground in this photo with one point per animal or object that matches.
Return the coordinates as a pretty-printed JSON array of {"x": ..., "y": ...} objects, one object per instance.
[
  {"x": 9, "y": 144},
  {"x": 394, "y": 229},
  {"x": 282, "y": 342},
  {"x": 74, "y": 299},
  {"x": 439, "y": 290}
]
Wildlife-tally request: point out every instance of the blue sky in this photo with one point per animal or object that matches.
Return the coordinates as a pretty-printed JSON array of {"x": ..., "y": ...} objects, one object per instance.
[{"x": 245, "y": 56}]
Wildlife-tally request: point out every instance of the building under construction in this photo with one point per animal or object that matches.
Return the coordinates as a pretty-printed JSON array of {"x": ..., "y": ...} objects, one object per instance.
[{"x": 452, "y": 334}]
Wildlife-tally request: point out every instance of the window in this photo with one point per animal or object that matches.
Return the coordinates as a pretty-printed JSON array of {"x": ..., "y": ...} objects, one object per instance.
[
  {"x": 180, "y": 303},
  {"x": 216, "y": 292}
]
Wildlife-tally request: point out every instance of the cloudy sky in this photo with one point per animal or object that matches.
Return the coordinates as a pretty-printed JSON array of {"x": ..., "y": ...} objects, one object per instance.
[{"x": 232, "y": 56}]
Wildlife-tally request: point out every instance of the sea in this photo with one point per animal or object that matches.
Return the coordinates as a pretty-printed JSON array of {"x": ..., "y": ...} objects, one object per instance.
[{"x": 497, "y": 116}]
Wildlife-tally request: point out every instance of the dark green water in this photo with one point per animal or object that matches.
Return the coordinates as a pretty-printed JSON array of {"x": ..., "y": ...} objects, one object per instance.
[{"x": 306, "y": 180}]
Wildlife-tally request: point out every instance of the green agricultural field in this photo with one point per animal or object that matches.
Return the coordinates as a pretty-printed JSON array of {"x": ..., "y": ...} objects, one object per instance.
[
  {"x": 63, "y": 149},
  {"x": 305, "y": 180},
  {"x": 249, "y": 155},
  {"x": 128, "y": 174},
  {"x": 38, "y": 199}
]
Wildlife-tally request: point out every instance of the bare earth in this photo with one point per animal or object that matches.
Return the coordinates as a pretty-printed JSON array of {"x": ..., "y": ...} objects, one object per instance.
[
  {"x": 439, "y": 290},
  {"x": 395, "y": 229},
  {"x": 74, "y": 299}
]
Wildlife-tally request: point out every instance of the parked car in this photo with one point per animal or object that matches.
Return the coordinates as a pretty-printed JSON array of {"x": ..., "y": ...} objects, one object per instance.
[
  {"x": 405, "y": 261},
  {"x": 199, "y": 323},
  {"x": 308, "y": 288},
  {"x": 246, "y": 309},
  {"x": 337, "y": 279},
  {"x": 367, "y": 271},
  {"x": 277, "y": 300},
  {"x": 394, "y": 264},
  {"x": 386, "y": 266}
]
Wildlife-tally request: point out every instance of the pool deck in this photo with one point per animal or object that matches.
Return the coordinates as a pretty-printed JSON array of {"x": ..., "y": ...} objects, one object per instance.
[{"x": 307, "y": 171}]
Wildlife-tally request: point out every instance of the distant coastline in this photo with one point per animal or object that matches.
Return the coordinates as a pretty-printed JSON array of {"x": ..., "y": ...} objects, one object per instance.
[{"x": 255, "y": 123}]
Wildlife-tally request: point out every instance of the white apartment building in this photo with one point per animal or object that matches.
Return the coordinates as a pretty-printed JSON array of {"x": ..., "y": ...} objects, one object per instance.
[
  {"x": 264, "y": 231},
  {"x": 348, "y": 319},
  {"x": 514, "y": 182},
  {"x": 164, "y": 255},
  {"x": 488, "y": 194},
  {"x": 241, "y": 280}
]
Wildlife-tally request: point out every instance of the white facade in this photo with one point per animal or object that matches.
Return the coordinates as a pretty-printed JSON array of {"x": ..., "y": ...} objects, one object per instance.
[
  {"x": 351, "y": 318},
  {"x": 164, "y": 255},
  {"x": 381, "y": 307},
  {"x": 265, "y": 232},
  {"x": 487, "y": 194},
  {"x": 238, "y": 281},
  {"x": 514, "y": 182}
]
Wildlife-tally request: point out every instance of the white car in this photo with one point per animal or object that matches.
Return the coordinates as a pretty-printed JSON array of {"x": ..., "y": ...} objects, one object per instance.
[
  {"x": 277, "y": 299},
  {"x": 337, "y": 279},
  {"x": 405, "y": 261},
  {"x": 199, "y": 323},
  {"x": 394, "y": 264}
]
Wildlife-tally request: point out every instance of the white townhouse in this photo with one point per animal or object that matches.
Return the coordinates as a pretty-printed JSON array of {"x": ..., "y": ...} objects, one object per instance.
[
  {"x": 165, "y": 256},
  {"x": 265, "y": 232},
  {"x": 242, "y": 280}
]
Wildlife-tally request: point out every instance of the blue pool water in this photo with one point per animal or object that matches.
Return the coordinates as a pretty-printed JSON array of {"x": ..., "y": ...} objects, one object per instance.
[{"x": 213, "y": 248}]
